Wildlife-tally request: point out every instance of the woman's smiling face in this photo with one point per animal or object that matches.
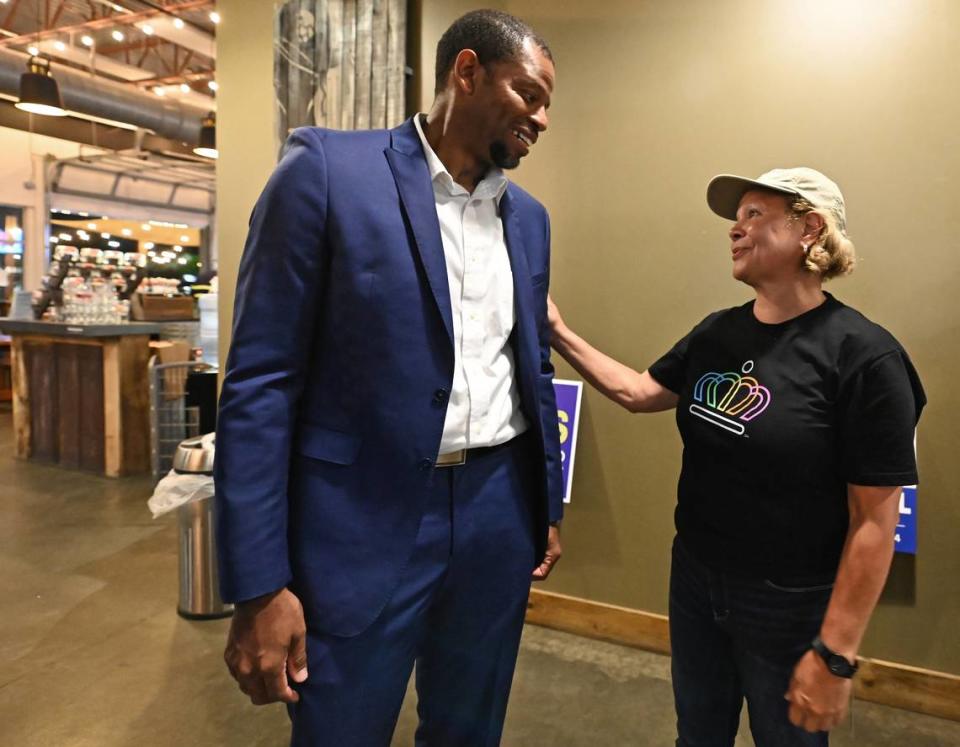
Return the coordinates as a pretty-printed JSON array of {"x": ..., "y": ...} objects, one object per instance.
[{"x": 765, "y": 241}]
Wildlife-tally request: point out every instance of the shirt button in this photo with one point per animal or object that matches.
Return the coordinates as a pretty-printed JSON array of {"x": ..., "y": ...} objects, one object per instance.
[
  {"x": 425, "y": 464},
  {"x": 440, "y": 396}
]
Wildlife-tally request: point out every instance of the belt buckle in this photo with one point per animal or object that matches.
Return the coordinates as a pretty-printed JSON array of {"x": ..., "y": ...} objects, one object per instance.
[{"x": 452, "y": 459}]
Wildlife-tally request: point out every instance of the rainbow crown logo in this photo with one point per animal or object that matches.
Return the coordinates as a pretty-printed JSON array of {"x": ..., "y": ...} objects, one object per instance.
[{"x": 728, "y": 400}]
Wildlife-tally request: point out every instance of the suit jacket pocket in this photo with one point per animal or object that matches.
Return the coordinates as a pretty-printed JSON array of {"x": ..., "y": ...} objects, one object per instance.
[{"x": 327, "y": 445}]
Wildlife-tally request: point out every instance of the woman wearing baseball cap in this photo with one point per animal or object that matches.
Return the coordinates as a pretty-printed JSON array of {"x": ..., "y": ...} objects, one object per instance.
[{"x": 797, "y": 416}]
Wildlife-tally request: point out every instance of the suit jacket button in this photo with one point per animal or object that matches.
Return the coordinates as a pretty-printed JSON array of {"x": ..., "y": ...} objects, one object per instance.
[
  {"x": 425, "y": 464},
  {"x": 440, "y": 396}
]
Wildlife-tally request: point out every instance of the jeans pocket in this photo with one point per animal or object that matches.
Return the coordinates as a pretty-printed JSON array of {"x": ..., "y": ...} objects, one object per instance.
[{"x": 797, "y": 589}]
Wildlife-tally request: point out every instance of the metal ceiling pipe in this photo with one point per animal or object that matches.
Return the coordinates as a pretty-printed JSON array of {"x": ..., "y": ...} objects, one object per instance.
[{"x": 97, "y": 97}]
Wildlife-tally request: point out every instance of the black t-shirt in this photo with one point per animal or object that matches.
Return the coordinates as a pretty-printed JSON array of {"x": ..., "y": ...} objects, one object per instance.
[{"x": 776, "y": 419}]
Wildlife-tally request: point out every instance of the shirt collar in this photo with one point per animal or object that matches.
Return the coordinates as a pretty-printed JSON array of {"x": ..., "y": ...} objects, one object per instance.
[{"x": 492, "y": 186}]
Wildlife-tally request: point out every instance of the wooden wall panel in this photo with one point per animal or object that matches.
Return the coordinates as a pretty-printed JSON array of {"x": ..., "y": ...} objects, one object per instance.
[
  {"x": 396, "y": 62},
  {"x": 83, "y": 402},
  {"x": 22, "y": 418},
  {"x": 68, "y": 404},
  {"x": 339, "y": 64},
  {"x": 41, "y": 366},
  {"x": 90, "y": 364},
  {"x": 134, "y": 405}
]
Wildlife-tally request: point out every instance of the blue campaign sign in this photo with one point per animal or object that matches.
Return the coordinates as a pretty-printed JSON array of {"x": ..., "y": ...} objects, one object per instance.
[
  {"x": 568, "y": 394},
  {"x": 905, "y": 540}
]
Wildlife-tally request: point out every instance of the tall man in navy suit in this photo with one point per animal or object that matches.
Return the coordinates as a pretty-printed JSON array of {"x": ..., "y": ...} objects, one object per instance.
[{"x": 388, "y": 459}]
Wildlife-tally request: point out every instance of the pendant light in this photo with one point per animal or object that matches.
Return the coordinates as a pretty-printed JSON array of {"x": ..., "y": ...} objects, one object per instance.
[
  {"x": 39, "y": 93},
  {"x": 208, "y": 137}
]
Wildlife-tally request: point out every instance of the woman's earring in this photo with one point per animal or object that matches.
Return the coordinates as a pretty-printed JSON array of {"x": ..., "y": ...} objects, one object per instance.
[{"x": 806, "y": 248}]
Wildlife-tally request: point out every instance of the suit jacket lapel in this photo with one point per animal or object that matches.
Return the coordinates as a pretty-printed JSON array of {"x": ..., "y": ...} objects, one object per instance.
[
  {"x": 527, "y": 353},
  {"x": 409, "y": 167}
]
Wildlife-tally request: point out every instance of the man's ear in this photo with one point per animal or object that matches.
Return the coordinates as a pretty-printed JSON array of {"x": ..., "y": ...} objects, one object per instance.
[{"x": 466, "y": 71}]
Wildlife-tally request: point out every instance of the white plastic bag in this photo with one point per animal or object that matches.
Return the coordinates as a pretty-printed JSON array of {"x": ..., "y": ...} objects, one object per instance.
[{"x": 175, "y": 490}]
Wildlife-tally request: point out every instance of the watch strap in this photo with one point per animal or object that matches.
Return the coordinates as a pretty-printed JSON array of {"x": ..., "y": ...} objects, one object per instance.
[{"x": 836, "y": 664}]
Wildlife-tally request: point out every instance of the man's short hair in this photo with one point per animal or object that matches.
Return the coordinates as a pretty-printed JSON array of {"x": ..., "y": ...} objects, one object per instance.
[{"x": 495, "y": 37}]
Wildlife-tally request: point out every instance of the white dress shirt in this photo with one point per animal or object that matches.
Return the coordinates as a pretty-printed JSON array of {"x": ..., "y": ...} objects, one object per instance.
[{"x": 484, "y": 404}]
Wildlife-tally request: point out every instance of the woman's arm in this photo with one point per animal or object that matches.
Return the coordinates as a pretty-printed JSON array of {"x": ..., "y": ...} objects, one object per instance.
[
  {"x": 637, "y": 392},
  {"x": 864, "y": 565},
  {"x": 819, "y": 699}
]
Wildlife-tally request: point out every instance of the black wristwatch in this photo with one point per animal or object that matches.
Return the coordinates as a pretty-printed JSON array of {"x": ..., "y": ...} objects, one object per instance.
[{"x": 837, "y": 664}]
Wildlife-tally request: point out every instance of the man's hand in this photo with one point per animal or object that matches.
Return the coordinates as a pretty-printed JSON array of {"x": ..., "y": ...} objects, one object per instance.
[
  {"x": 551, "y": 556},
  {"x": 266, "y": 644},
  {"x": 818, "y": 699}
]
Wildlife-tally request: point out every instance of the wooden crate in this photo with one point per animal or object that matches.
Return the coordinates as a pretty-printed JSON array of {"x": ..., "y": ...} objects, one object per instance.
[{"x": 147, "y": 308}]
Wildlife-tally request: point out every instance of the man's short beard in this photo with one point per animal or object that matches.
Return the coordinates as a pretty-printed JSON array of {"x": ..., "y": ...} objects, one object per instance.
[{"x": 502, "y": 157}]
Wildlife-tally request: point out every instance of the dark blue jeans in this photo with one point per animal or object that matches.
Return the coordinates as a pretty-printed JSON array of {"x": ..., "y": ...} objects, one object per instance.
[{"x": 734, "y": 638}]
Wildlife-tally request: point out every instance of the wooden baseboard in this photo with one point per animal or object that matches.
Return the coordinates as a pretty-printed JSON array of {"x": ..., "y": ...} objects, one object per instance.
[
  {"x": 911, "y": 688},
  {"x": 606, "y": 622},
  {"x": 888, "y": 683}
]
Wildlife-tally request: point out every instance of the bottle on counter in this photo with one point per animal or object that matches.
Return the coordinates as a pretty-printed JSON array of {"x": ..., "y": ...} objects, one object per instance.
[{"x": 82, "y": 306}]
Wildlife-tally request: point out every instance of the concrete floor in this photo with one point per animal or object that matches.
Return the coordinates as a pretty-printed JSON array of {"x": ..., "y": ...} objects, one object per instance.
[{"x": 92, "y": 653}]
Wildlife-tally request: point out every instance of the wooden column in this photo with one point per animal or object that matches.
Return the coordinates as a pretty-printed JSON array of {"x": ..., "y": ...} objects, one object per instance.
[
  {"x": 126, "y": 406},
  {"x": 21, "y": 400}
]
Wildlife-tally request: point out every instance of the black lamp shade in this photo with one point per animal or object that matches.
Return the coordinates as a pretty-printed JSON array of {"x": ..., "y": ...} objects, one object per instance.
[
  {"x": 39, "y": 92},
  {"x": 208, "y": 138}
]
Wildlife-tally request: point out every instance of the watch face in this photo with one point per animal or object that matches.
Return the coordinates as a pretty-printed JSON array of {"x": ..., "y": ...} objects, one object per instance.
[
  {"x": 839, "y": 666},
  {"x": 836, "y": 664}
]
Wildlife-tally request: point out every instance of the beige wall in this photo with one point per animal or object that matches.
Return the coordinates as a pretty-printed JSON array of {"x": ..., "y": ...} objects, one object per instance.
[
  {"x": 652, "y": 99},
  {"x": 245, "y": 134},
  {"x": 435, "y": 16}
]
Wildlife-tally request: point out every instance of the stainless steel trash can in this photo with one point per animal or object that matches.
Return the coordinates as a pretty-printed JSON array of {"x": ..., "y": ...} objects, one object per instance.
[{"x": 199, "y": 582}]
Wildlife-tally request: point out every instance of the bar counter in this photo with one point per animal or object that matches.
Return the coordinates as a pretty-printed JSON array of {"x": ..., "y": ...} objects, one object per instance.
[{"x": 80, "y": 394}]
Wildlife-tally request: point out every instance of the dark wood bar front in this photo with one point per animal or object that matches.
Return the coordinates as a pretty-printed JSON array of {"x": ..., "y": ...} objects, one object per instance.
[{"x": 80, "y": 394}]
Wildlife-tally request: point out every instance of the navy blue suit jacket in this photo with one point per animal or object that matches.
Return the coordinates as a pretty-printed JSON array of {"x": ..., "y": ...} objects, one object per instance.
[{"x": 342, "y": 355}]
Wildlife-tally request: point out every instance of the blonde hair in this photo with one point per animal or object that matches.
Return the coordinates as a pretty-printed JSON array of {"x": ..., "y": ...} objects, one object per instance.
[{"x": 833, "y": 253}]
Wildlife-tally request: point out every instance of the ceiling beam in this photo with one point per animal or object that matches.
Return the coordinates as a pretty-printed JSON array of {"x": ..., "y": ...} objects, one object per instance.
[
  {"x": 10, "y": 14},
  {"x": 188, "y": 37},
  {"x": 126, "y": 19},
  {"x": 130, "y": 46},
  {"x": 143, "y": 57},
  {"x": 186, "y": 61},
  {"x": 95, "y": 60},
  {"x": 169, "y": 80},
  {"x": 57, "y": 13}
]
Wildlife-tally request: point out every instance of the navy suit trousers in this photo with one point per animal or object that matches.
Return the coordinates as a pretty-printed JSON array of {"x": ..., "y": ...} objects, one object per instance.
[{"x": 457, "y": 615}]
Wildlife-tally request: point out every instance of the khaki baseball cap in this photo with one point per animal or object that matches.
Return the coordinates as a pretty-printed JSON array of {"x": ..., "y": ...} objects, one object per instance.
[{"x": 726, "y": 190}]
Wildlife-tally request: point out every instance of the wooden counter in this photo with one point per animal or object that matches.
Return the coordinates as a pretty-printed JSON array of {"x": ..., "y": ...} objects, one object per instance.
[{"x": 80, "y": 394}]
